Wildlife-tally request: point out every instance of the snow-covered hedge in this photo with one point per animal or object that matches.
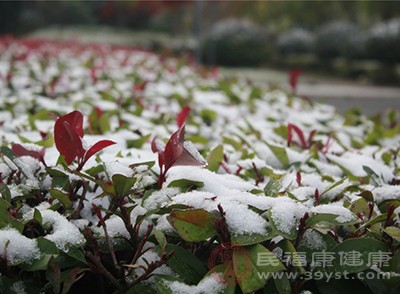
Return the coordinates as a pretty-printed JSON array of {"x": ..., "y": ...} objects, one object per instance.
[{"x": 125, "y": 171}]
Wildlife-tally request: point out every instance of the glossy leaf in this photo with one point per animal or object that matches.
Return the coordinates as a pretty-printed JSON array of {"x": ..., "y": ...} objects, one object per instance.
[
  {"x": 182, "y": 116},
  {"x": 193, "y": 225},
  {"x": 98, "y": 146},
  {"x": 68, "y": 142},
  {"x": 253, "y": 265}
]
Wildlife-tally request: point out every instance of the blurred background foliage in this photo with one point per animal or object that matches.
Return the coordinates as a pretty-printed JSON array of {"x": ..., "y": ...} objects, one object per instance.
[{"x": 356, "y": 39}]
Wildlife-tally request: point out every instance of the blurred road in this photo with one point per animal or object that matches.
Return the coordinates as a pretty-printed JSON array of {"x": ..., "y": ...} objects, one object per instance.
[
  {"x": 340, "y": 93},
  {"x": 369, "y": 99}
]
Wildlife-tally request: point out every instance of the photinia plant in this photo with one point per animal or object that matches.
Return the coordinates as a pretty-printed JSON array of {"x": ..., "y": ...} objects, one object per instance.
[
  {"x": 68, "y": 134},
  {"x": 305, "y": 144},
  {"x": 176, "y": 151}
]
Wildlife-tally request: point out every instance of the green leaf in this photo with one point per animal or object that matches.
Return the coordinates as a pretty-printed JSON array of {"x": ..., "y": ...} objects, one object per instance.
[
  {"x": 137, "y": 143},
  {"x": 272, "y": 188},
  {"x": 5, "y": 216},
  {"x": 282, "y": 284},
  {"x": 62, "y": 197},
  {"x": 77, "y": 253},
  {"x": 393, "y": 232},
  {"x": 193, "y": 225},
  {"x": 280, "y": 153},
  {"x": 7, "y": 152},
  {"x": 253, "y": 266},
  {"x": 189, "y": 267},
  {"x": 367, "y": 195},
  {"x": 317, "y": 218},
  {"x": 208, "y": 116},
  {"x": 160, "y": 238},
  {"x": 186, "y": 185},
  {"x": 47, "y": 246},
  {"x": 237, "y": 145},
  {"x": 215, "y": 158},
  {"x": 251, "y": 238},
  {"x": 287, "y": 247},
  {"x": 60, "y": 179},
  {"x": 37, "y": 216},
  {"x": 333, "y": 186},
  {"x": 5, "y": 192},
  {"x": 357, "y": 250},
  {"x": 122, "y": 184}
]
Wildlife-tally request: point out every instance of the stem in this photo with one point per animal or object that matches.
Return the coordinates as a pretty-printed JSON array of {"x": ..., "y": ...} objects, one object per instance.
[{"x": 95, "y": 259}]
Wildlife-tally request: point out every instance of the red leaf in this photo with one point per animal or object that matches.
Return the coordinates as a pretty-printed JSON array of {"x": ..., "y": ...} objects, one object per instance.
[
  {"x": 311, "y": 136},
  {"x": 174, "y": 148},
  {"x": 182, "y": 115},
  {"x": 68, "y": 142},
  {"x": 20, "y": 150},
  {"x": 327, "y": 145},
  {"x": 298, "y": 178},
  {"x": 293, "y": 78},
  {"x": 186, "y": 158},
  {"x": 96, "y": 148},
  {"x": 75, "y": 120},
  {"x": 300, "y": 134}
]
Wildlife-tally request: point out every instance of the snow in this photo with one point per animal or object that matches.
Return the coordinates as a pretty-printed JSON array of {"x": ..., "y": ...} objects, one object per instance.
[
  {"x": 313, "y": 240},
  {"x": 286, "y": 213},
  {"x": 386, "y": 192},
  {"x": 343, "y": 214},
  {"x": 16, "y": 248},
  {"x": 211, "y": 284},
  {"x": 64, "y": 233},
  {"x": 354, "y": 162},
  {"x": 18, "y": 288}
]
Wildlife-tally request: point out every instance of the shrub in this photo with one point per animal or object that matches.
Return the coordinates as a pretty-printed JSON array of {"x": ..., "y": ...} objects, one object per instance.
[
  {"x": 236, "y": 42},
  {"x": 295, "y": 41},
  {"x": 339, "y": 39},
  {"x": 383, "y": 41}
]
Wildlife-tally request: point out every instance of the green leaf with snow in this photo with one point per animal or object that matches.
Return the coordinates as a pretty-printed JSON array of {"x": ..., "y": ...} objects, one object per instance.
[
  {"x": 186, "y": 185},
  {"x": 393, "y": 232},
  {"x": 280, "y": 153},
  {"x": 193, "y": 225},
  {"x": 253, "y": 266}
]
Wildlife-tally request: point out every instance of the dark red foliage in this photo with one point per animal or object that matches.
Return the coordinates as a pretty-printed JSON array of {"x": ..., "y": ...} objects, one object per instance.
[
  {"x": 68, "y": 134},
  {"x": 182, "y": 116},
  {"x": 305, "y": 144},
  {"x": 174, "y": 153}
]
